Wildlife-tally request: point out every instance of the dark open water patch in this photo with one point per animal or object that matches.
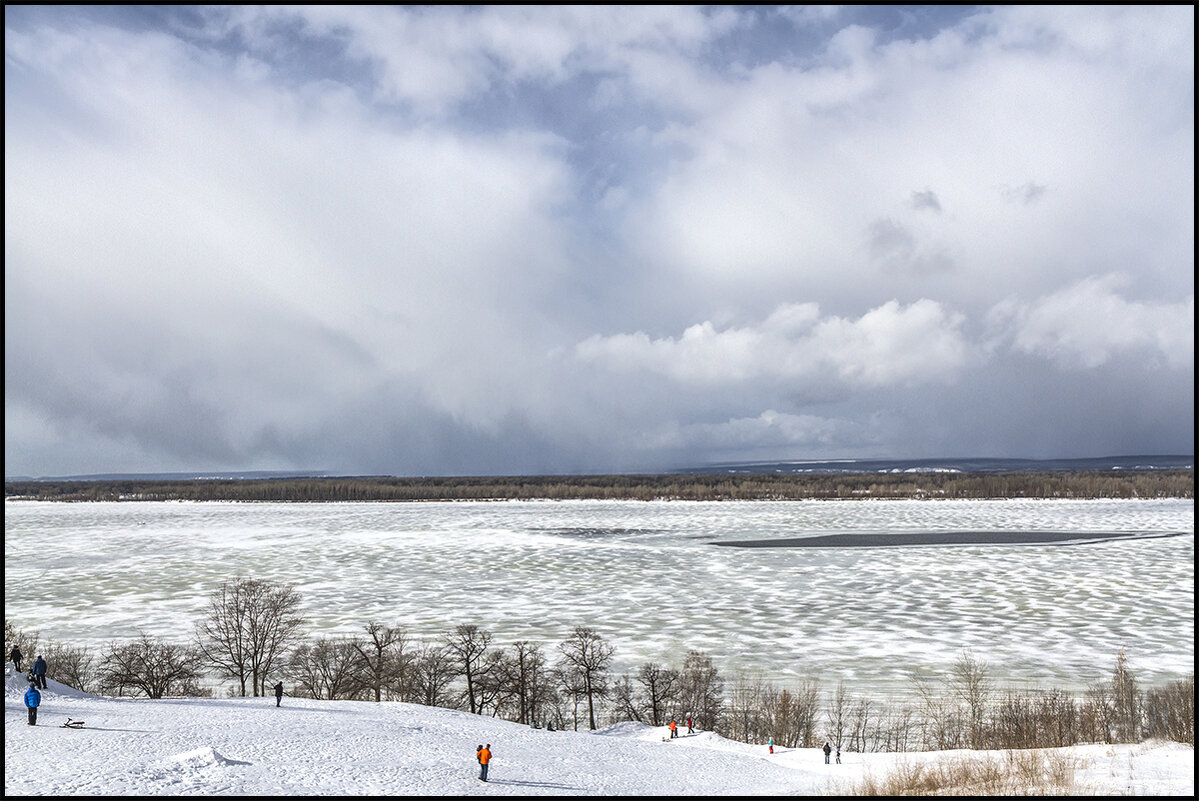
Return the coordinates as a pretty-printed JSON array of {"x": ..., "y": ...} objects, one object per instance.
[
  {"x": 906, "y": 539},
  {"x": 598, "y": 533}
]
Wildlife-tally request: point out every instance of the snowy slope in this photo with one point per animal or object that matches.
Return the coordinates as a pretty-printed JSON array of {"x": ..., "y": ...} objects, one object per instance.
[{"x": 247, "y": 746}]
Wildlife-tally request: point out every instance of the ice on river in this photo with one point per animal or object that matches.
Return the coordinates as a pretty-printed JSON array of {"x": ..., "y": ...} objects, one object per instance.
[{"x": 648, "y": 577}]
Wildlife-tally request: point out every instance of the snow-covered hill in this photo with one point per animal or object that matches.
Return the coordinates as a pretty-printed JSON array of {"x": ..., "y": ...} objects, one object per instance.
[{"x": 247, "y": 746}]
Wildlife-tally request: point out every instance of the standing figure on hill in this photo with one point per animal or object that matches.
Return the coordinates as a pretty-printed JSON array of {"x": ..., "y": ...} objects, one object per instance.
[
  {"x": 770, "y": 744},
  {"x": 689, "y": 729},
  {"x": 279, "y": 693},
  {"x": 15, "y": 656},
  {"x": 39, "y": 671},
  {"x": 484, "y": 758},
  {"x": 674, "y": 730},
  {"x": 32, "y": 699},
  {"x": 828, "y": 749}
]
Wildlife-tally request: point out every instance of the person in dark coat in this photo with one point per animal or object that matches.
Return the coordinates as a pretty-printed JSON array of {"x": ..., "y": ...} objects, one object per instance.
[
  {"x": 828, "y": 749},
  {"x": 278, "y": 693},
  {"x": 15, "y": 656},
  {"x": 32, "y": 699},
  {"x": 39, "y": 671}
]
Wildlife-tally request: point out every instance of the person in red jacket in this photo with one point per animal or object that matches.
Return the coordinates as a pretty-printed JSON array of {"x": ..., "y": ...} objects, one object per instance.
[
  {"x": 484, "y": 758},
  {"x": 689, "y": 729}
]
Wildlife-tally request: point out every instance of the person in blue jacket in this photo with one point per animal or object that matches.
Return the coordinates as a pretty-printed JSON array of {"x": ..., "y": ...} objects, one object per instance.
[
  {"x": 32, "y": 699},
  {"x": 39, "y": 671}
]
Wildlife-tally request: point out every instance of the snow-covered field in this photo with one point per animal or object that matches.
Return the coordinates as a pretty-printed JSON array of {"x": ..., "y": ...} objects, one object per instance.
[
  {"x": 646, "y": 577},
  {"x": 247, "y": 746}
]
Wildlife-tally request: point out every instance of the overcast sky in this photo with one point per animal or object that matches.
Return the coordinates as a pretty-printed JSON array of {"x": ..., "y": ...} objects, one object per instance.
[{"x": 480, "y": 240}]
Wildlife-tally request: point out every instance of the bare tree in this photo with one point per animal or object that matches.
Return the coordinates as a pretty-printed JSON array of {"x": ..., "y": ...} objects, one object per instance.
[
  {"x": 468, "y": 646},
  {"x": 1098, "y": 713},
  {"x": 859, "y": 737},
  {"x": 223, "y": 635},
  {"x": 151, "y": 666},
  {"x": 249, "y": 627},
  {"x": 898, "y": 728},
  {"x": 572, "y": 689},
  {"x": 970, "y": 683},
  {"x": 1170, "y": 711},
  {"x": 805, "y": 707},
  {"x": 585, "y": 654},
  {"x": 382, "y": 661},
  {"x": 701, "y": 690},
  {"x": 24, "y": 641},
  {"x": 275, "y": 623},
  {"x": 624, "y": 704},
  {"x": 324, "y": 669},
  {"x": 660, "y": 686},
  {"x": 1015, "y": 721},
  {"x": 837, "y": 714},
  {"x": 1058, "y": 714},
  {"x": 752, "y": 705},
  {"x": 531, "y": 680},
  {"x": 1126, "y": 704},
  {"x": 940, "y": 726},
  {"x": 74, "y": 666},
  {"x": 433, "y": 674},
  {"x": 496, "y": 683}
]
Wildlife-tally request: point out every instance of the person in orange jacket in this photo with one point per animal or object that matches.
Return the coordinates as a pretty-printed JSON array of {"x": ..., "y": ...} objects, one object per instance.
[
  {"x": 484, "y": 758},
  {"x": 674, "y": 730}
]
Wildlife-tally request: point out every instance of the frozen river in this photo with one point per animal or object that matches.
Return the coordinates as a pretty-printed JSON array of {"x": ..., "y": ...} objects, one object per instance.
[{"x": 648, "y": 577}]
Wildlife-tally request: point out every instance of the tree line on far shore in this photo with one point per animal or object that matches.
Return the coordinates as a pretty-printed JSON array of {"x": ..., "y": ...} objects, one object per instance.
[
  {"x": 713, "y": 487},
  {"x": 252, "y": 635}
]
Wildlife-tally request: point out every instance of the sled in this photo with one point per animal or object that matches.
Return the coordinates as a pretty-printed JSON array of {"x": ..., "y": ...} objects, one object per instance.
[{"x": 73, "y": 724}]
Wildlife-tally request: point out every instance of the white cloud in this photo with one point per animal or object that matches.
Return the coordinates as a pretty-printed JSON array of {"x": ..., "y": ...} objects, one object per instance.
[
  {"x": 1088, "y": 323},
  {"x": 787, "y": 167},
  {"x": 889, "y": 345}
]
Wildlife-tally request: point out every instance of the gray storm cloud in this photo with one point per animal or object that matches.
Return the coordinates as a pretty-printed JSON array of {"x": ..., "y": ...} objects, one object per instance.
[{"x": 446, "y": 240}]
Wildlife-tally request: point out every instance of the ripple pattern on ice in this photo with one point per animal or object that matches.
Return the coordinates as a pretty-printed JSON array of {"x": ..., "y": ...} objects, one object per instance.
[{"x": 645, "y": 576}]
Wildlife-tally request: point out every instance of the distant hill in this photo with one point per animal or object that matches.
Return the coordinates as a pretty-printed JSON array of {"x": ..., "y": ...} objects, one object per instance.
[
  {"x": 965, "y": 465},
  {"x": 740, "y": 484}
]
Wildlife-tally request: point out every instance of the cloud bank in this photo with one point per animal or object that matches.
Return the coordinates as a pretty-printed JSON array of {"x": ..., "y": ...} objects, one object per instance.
[{"x": 500, "y": 240}]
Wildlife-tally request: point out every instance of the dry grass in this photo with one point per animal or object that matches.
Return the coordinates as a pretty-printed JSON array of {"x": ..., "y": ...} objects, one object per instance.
[{"x": 1015, "y": 773}]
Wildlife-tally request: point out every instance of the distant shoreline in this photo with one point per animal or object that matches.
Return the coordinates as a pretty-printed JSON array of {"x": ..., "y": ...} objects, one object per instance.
[{"x": 1127, "y": 484}]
